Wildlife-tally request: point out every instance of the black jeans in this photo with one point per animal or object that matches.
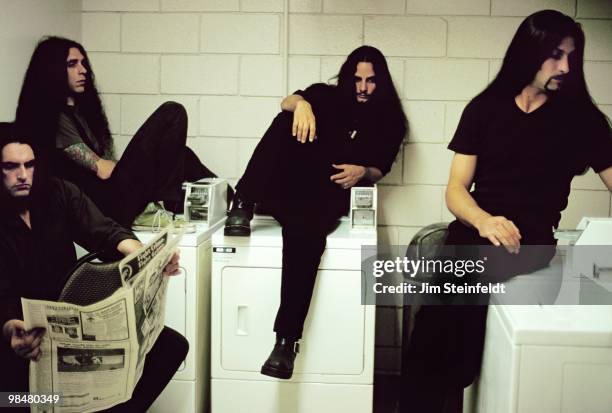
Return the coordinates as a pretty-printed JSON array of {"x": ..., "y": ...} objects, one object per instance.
[
  {"x": 304, "y": 239},
  {"x": 445, "y": 350},
  {"x": 153, "y": 167},
  {"x": 292, "y": 180},
  {"x": 161, "y": 363}
]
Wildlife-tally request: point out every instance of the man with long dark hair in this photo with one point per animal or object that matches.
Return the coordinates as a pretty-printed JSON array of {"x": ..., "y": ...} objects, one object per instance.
[
  {"x": 520, "y": 142},
  {"x": 360, "y": 125},
  {"x": 40, "y": 219},
  {"x": 60, "y": 106}
]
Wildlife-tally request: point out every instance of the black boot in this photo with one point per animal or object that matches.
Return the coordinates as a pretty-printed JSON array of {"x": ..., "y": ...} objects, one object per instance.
[
  {"x": 238, "y": 221},
  {"x": 280, "y": 362}
]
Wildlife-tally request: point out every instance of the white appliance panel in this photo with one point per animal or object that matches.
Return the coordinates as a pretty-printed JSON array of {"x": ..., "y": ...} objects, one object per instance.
[
  {"x": 287, "y": 397},
  {"x": 188, "y": 312},
  {"x": 334, "y": 370},
  {"x": 248, "y": 313}
]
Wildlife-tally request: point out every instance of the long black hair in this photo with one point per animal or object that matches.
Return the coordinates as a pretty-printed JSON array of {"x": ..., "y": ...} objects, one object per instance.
[
  {"x": 385, "y": 98},
  {"x": 535, "y": 41},
  {"x": 45, "y": 90}
]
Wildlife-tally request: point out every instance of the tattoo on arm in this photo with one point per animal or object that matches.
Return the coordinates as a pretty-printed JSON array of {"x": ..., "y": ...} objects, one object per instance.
[{"x": 83, "y": 156}]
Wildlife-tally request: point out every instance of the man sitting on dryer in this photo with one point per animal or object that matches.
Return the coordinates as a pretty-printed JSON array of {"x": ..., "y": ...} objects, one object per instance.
[{"x": 354, "y": 130}]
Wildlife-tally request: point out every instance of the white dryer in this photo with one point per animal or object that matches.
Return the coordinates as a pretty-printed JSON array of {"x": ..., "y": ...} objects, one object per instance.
[
  {"x": 188, "y": 312},
  {"x": 334, "y": 370}
]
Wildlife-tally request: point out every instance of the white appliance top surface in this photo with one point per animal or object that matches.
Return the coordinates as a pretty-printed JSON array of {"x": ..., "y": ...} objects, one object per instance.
[
  {"x": 203, "y": 232},
  {"x": 266, "y": 232},
  {"x": 598, "y": 231},
  {"x": 558, "y": 325},
  {"x": 563, "y": 325}
]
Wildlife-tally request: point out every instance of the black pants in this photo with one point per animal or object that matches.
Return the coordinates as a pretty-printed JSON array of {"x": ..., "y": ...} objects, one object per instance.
[
  {"x": 161, "y": 363},
  {"x": 153, "y": 167},
  {"x": 445, "y": 350},
  {"x": 304, "y": 237},
  {"x": 292, "y": 180}
]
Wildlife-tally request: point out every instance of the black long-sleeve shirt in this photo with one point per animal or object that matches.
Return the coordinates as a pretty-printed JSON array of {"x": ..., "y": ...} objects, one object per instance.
[
  {"x": 34, "y": 262},
  {"x": 375, "y": 134}
]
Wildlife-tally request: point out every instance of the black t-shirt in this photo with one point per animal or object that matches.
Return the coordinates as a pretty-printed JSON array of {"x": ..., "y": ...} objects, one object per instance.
[
  {"x": 376, "y": 136},
  {"x": 526, "y": 161}
]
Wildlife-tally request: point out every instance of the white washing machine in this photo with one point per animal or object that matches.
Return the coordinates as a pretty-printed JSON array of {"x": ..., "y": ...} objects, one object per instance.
[
  {"x": 188, "y": 312},
  {"x": 552, "y": 358},
  {"x": 334, "y": 370},
  {"x": 546, "y": 359}
]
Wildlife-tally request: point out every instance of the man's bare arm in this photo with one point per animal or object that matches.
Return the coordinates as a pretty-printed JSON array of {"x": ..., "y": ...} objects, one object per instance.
[
  {"x": 606, "y": 177},
  {"x": 88, "y": 159},
  {"x": 458, "y": 198},
  {"x": 83, "y": 156},
  {"x": 497, "y": 229}
]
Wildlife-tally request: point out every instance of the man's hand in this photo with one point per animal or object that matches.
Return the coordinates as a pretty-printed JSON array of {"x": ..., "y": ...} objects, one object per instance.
[
  {"x": 350, "y": 175},
  {"x": 304, "y": 124},
  {"x": 172, "y": 268},
  {"x": 500, "y": 231},
  {"x": 104, "y": 168},
  {"x": 127, "y": 246},
  {"x": 24, "y": 343}
]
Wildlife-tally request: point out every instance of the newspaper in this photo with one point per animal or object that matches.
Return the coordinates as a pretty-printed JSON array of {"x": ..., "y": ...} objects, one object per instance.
[{"x": 93, "y": 356}]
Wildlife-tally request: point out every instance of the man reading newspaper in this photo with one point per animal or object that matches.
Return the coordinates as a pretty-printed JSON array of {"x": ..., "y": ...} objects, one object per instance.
[{"x": 38, "y": 224}]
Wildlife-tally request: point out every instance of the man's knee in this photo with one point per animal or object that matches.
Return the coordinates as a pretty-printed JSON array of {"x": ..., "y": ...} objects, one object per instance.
[
  {"x": 173, "y": 109},
  {"x": 281, "y": 125},
  {"x": 174, "y": 342}
]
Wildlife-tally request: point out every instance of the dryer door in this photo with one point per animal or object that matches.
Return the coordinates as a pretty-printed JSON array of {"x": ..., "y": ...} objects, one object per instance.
[{"x": 333, "y": 342}]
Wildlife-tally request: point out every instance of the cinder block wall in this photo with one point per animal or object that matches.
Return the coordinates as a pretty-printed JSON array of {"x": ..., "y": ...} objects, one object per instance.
[
  {"x": 22, "y": 23},
  {"x": 224, "y": 60}
]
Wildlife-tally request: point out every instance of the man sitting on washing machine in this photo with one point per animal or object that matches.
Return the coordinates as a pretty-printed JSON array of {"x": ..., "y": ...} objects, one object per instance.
[{"x": 359, "y": 127}]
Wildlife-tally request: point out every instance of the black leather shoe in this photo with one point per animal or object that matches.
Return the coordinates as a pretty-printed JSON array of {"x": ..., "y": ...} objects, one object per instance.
[
  {"x": 238, "y": 221},
  {"x": 280, "y": 362}
]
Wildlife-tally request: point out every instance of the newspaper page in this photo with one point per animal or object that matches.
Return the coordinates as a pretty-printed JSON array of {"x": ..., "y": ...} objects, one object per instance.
[{"x": 94, "y": 355}]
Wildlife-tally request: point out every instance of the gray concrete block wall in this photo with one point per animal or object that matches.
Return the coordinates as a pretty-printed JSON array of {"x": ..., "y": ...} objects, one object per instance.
[{"x": 223, "y": 59}]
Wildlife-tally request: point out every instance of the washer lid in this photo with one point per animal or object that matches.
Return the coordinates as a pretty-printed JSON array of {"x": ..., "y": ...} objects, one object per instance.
[
  {"x": 558, "y": 325},
  {"x": 266, "y": 232},
  {"x": 596, "y": 231},
  {"x": 203, "y": 232}
]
